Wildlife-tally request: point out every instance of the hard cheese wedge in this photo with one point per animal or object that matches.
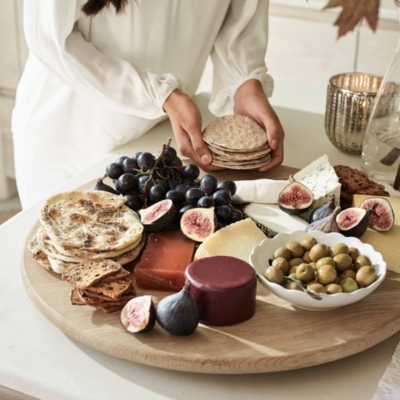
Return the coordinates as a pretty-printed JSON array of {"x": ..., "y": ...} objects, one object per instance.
[
  {"x": 164, "y": 260},
  {"x": 387, "y": 243},
  {"x": 235, "y": 240}
]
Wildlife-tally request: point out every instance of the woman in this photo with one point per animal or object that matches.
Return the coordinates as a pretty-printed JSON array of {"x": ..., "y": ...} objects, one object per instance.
[{"x": 102, "y": 75}]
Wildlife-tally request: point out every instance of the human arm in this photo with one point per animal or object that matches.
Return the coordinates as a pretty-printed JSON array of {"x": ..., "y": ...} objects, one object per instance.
[{"x": 53, "y": 38}]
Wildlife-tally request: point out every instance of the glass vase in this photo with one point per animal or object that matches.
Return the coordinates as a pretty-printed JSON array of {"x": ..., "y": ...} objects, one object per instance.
[{"x": 380, "y": 158}]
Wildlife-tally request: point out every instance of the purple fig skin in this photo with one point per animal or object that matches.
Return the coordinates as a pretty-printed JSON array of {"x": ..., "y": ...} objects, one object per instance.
[
  {"x": 323, "y": 211},
  {"x": 327, "y": 224},
  {"x": 158, "y": 217},
  {"x": 382, "y": 217},
  {"x": 353, "y": 221}
]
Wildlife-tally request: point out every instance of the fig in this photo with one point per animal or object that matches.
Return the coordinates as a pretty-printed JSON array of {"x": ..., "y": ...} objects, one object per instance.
[
  {"x": 178, "y": 313},
  {"x": 295, "y": 198},
  {"x": 382, "y": 217},
  {"x": 100, "y": 185},
  {"x": 327, "y": 224},
  {"x": 159, "y": 216},
  {"x": 198, "y": 223},
  {"x": 138, "y": 314},
  {"x": 323, "y": 211},
  {"x": 353, "y": 221}
]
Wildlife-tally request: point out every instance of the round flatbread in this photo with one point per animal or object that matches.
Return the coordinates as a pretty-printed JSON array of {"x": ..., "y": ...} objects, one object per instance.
[
  {"x": 235, "y": 133},
  {"x": 91, "y": 220},
  {"x": 239, "y": 156}
]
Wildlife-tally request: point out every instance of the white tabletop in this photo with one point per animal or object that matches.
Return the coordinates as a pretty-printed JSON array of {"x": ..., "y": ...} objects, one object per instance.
[{"x": 39, "y": 360}]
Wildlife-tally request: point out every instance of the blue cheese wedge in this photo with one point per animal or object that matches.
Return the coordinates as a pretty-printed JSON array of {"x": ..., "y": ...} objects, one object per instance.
[{"x": 321, "y": 179}]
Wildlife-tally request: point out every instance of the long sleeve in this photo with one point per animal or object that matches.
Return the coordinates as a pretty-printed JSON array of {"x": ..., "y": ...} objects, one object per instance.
[
  {"x": 239, "y": 53},
  {"x": 52, "y": 37}
]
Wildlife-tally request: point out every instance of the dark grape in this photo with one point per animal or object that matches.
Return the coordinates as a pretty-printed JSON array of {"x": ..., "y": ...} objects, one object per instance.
[
  {"x": 156, "y": 193},
  {"x": 175, "y": 196},
  {"x": 177, "y": 162},
  {"x": 182, "y": 189},
  {"x": 190, "y": 182},
  {"x": 129, "y": 164},
  {"x": 145, "y": 161},
  {"x": 133, "y": 201},
  {"x": 193, "y": 195},
  {"x": 136, "y": 155},
  {"x": 230, "y": 206},
  {"x": 223, "y": 213},
  {"x": 237, "y": 215},
  {"x": 227, "y": 185},
  {"x": 205, "y": 202},
  {"x": 119, "y": 160},
  {"x": 114, "y": 170},
  {"x": 144, "y": 184},
  {"x": 162, "y": 183},
  {"x": 208, "y": 184},
  {"x": 191, "y": 171},
  {"x": 219, "y": 226},
  {"x": 221, "y": 197},
  {"x": 172, "y": 184},
  {"x": 170, "y": 150},
  {"x": 127, "y": 182}
]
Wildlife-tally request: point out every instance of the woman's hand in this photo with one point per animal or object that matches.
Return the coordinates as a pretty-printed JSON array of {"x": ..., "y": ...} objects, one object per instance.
[
  {"x": 251, "y": 101},
  {"x": 186, "y": 121}
]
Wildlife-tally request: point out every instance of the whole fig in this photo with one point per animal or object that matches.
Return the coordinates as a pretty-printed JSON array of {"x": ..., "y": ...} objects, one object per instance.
[
  {"x": 323, "y": 211},
  {"x": 327, "y": 224}
]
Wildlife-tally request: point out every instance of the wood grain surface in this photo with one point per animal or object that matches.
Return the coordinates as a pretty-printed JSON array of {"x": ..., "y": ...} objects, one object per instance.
[{"x": 279, "y": 337}]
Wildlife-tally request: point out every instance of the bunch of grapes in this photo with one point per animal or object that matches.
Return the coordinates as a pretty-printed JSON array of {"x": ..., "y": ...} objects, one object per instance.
[{"x": 145, "y": 179}]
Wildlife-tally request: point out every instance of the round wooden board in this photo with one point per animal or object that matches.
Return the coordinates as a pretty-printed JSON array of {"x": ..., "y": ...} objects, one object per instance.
[{"x": 279, "y": 337}]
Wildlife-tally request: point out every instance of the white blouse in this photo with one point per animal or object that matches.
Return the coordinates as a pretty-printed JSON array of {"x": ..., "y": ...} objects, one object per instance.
[{"x": 92, "y": 84}]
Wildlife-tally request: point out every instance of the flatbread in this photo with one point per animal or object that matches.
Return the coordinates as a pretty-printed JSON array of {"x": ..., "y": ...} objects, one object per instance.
[
  {"x": 39, "y": 256},
  {"x": 92, "y": 220},
  {"x": 239, "y": 166},
  {"x": 235, "y": 133},
  {"x": 239, "y": 155}
]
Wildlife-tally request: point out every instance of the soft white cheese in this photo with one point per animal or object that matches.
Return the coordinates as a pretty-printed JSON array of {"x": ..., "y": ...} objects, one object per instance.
[{"x": 264, "y": 191}]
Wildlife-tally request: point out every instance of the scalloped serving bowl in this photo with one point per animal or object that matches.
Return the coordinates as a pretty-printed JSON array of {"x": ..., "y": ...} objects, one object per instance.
[{"x": 265, "y": 250}]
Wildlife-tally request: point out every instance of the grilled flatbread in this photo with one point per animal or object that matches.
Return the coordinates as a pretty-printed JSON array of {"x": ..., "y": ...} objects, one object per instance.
[{"x": 90, "y": 220}]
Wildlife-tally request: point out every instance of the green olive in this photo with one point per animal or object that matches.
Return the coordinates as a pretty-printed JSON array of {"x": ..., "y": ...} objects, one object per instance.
[
  {"x": 274, "y": 274},
  {"x": 292, "y": 286},
  {"x": 317, "y": 287},
  {"x": 349, "y": 285},
  {"x": 295, "y": 261},
  {"x": 366, "y": 275},
  {"x": 282, "y": 252},
  {"x": 306, "y": 257},
  {"x": 295, "y": 248},
  {"x": 325, "y": 261},
  {"x": 333, "y": 288},
  {"x": 354, "y": 253},
  {"x": 318, "y": 251},
  {"x": 305, "y": 272},
  {"x": 326, "y": 274},
  {"x": 348, "y": 273},
  {"x": 361, "y": 261},
  {"x": 339, "y": 248},
  {"x": 282, "y": 263},
  {"x": 343, "y": 262},
  {"x": 307, "y": 242}
]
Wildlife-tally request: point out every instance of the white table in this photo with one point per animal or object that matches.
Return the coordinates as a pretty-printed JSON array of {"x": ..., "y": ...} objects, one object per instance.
[{"x": 38, "y": 360}]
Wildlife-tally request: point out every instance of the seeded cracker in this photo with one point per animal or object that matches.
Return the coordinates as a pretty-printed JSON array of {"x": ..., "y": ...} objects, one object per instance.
[{"x": 88, "y": 273}]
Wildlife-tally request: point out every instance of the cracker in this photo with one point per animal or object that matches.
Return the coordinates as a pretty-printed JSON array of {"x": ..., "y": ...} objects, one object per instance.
[
  {"x": 113, "y": 289},
  {"x": 239, "y": 166},
  {"x": 240, "y": 155},
  {"x": 76, "y": 298},
  {"x": 235, "y": 132},
  {"x": 88, "y": 273}
]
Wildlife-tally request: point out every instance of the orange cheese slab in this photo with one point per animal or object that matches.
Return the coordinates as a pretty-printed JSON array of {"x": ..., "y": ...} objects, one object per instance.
[
  {"x": 164, "y": 260},
  {"x": 387, "y": 243}
]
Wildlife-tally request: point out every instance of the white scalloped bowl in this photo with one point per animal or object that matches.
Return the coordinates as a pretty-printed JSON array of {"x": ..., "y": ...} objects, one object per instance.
[{"x": 265, "y": 250}]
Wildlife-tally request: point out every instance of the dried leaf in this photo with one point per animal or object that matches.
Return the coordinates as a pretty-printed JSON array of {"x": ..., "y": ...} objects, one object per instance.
[{"x": 353, "y": 11}]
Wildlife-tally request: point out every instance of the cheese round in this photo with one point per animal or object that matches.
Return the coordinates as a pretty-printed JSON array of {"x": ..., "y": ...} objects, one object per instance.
[{"x": 224, "y": 289}]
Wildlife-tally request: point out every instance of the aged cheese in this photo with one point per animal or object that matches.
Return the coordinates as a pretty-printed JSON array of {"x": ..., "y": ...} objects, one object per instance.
[
  {"x": 321, "y": 179},
  {"x": 236, "y": 240},
  {"x": 387, "y": 243},
  {"x": 264, "y": 191},
  {"x": 224, "y": 288}
]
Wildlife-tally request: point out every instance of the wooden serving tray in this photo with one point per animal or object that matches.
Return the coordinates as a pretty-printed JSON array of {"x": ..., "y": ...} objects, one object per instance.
[{"x": 279, "y": 337}]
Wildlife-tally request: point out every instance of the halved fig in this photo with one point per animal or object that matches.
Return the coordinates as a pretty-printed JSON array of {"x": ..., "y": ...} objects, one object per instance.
[
  {"x": 295, "y": 198},
  {"x": 353, "y": 221},
  {"x": 382, "y": 217},
  {"x": 159, "y": 216},
  {"x": 198, "y": 223},
  {"x": 138, "y": 314}
]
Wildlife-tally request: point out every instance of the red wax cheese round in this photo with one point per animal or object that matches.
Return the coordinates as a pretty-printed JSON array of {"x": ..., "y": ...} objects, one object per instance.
[{"x": 224, "y": 288}]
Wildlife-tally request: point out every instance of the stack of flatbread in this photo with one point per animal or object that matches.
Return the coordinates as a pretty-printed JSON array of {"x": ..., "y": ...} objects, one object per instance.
[
  {"x": 101, "y": 284},
  {"x": 79, "y": 228},
  {"x": 237, "y": 142}
]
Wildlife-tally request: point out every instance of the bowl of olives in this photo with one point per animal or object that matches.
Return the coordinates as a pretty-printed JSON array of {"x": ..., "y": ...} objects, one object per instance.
[{"x": 335, "y": 269}]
